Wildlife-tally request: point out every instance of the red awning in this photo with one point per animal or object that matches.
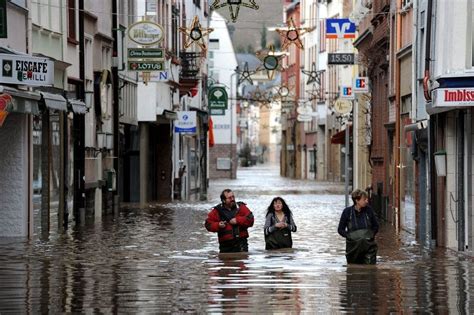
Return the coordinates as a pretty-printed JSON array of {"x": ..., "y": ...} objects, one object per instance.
[{"x": 340, "y": 137}]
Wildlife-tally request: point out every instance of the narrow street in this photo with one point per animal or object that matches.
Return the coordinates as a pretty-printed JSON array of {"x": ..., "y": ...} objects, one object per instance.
[{"x": 162, "y": 260}]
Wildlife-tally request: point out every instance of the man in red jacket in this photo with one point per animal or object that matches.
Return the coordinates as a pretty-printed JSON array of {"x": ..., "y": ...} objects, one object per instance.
[{"x": 230, "y": 220}]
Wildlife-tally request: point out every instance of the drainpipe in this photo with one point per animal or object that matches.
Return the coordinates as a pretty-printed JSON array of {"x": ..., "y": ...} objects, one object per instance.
[
  {"x": 79, "y": 129},
  {"x": 397, "y": 114},
  {"x": 427, "y": 51},
  {"x": 115, "y": 84},
  {"x": 431, "y": 127},
  {"x": 460, "y": 182}
]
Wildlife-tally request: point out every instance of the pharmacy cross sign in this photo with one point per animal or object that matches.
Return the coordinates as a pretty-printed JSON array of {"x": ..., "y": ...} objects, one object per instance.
[{"x": 234, "y": 6}]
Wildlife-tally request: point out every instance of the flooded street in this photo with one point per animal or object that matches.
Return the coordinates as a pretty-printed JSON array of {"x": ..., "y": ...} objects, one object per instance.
[{"x": 162, "y": 260}]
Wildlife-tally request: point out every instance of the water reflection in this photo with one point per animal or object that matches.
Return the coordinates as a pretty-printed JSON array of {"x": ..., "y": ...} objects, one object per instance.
[{"x": 162, "y": 260}]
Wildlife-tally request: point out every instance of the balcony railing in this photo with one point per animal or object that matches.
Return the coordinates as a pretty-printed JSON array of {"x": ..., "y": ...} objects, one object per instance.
[{"x": 189, "y": 65}]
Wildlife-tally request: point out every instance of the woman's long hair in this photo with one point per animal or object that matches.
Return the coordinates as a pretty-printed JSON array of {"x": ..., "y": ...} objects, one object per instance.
[{"x": 286, "y": 210}]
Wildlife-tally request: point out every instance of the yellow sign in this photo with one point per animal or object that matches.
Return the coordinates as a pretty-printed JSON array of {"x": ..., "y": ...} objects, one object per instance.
[{"x": 342, "y": 106}]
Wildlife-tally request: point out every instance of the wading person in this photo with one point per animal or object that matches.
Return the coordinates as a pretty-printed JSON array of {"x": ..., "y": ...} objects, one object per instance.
[
  {"x": 279, "y": 224},
  {"x": 359, "y": 226},
  {"x": 230, "y": 220}
]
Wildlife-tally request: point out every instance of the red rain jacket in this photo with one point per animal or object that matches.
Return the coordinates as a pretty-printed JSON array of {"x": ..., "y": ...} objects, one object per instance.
[{"x": 243, "y": 216}]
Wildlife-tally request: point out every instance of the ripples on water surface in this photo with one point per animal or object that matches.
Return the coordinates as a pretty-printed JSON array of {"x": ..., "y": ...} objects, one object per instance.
[{"x": 161, "y": 260}]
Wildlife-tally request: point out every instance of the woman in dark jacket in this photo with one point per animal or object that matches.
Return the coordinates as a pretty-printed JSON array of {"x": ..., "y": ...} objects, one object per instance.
[{"x": 279, "y": 224}]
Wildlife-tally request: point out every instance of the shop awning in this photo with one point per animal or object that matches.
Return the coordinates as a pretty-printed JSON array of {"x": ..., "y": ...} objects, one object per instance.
[
  {"x": 22, "y": 101},
  {"x": 54, "y": 101},
  {"x": 340, "y": 137},
  {"x": 77, "y": 106}
]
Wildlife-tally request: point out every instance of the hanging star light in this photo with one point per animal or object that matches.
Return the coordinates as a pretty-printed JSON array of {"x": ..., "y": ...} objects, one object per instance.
[
  {"x": 292, "y": 34},
  {"x": 315, "y": 93},
  {"x": 195, "y": 33},
  {"x": 271, "y": 62},
  {"x": 245, "y": 75},
  {"x": 313, "y": 74},
  {"x": 234, "y": 6}
]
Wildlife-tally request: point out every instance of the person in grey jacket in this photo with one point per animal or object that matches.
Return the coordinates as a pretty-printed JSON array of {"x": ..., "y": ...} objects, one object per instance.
[{"x": 279, "y": 224}]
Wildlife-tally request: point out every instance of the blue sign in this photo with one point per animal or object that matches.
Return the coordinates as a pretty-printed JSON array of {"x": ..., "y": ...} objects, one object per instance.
[
  {"x": 186, "y": 122},
  {"x": 340, "y": 28}
]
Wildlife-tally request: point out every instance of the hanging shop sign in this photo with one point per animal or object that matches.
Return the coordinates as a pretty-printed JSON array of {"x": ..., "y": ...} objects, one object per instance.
[
  {"x": 361, "y": 85},
  {"x": 145, "y": 33},
  {"x": 146, "y": 65},
  {"x": 341, "y": 59},
  {"x": 346, "y": 92},
  {"x": 217, "y": 98},
  {"x": 340, "y": 28},
  {"x": 26, "y": 70},
  {"x": 342, "y": 106},
  {"x": 186, "y": 122},
  {"x": 156, "y": 76},
  {"x": 146, "y": 53},
  {"x": 453, "y": 97}
]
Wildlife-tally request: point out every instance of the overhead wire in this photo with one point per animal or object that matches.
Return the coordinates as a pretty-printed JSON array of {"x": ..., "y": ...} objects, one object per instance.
[{"x": 103, "y": 13}]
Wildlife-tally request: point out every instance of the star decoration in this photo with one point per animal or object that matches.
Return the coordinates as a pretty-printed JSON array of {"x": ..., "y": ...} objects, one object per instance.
[
  {"x": 271, "y": 62},
  {"x": 245, "y": 75},
  {"x": 234, "y": 6},
  {"x": 195, "y": 33},
  {"x": 315, "y": 93},
  {"x": 314, "y": 75},
  {"x": 292, "y": 34}
]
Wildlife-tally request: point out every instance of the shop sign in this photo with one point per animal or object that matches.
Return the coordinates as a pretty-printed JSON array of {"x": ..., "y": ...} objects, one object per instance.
[
  {"x": 341, "y": 59},
  {"x": 186, "y": 122},
  {"x": 146, "y": 65},
  {"x": 346, "y": 92},
  {"x": 146, "y": 53},
  {"x": 361, "y": 85},
  {"x": 158, "y": 76},
  {"x": 453, "y": 97},
  {"x": 340, "y": 28},
  {"x": 145, "y": 33},
  {"x": 342, "y": 106},
  {"x": 217, "y": 97},
  {"x": 26, "y": 70}
]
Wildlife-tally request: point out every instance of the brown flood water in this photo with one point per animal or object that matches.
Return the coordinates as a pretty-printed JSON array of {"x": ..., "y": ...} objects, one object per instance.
[{"x": 162, "y": 260}]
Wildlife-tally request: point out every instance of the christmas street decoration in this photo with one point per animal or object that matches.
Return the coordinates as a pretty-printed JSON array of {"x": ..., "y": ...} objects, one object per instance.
[
  {"x": 234, "y": 6},
  {"x": 313, "y": 74},
  {"x": 292, "y": 35},
  {"x": 195, "y": 33},
  {"x": 271, "y": 62},
  {"x": 315, "y": 93},
  {"x": 245, "y": 75}
]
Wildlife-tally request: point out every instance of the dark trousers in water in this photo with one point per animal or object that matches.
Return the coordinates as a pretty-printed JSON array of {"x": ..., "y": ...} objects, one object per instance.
[
  {"x": 234, "y": 246},
  {"x": 361, "y": 248}
]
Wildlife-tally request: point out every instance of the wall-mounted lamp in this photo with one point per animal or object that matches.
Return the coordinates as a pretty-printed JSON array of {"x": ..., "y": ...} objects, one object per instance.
[
  {"x": 109, "y": 141},
  {"x": 305, "y": 147},
  {"x": 101, "y": 139},
  {"x": 315, "y": 148},
  {"x": 440, "y": 162}
]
